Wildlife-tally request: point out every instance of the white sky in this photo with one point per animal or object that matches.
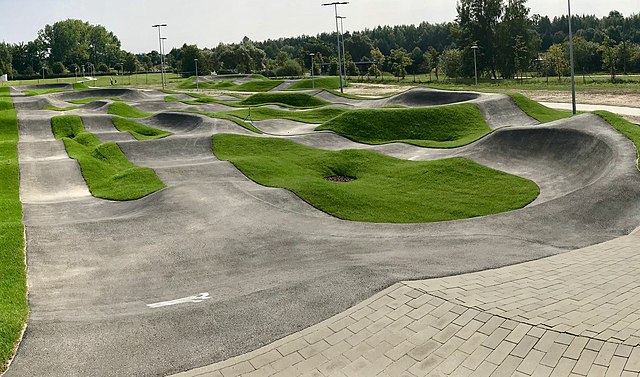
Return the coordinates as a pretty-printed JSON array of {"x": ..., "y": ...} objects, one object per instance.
[{"x": 208, "y": 22}]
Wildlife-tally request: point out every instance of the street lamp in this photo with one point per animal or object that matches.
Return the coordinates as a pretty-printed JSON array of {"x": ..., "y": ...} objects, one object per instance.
[
  {"x": 160, "y": 26},
  {"x": 335, "y": 6},
  {"x": 475, "y": 61},
  {"x": 573, "y": 77},
  {"x": 313, "y": 78},
  {"x": 197, "y": 85},
  {"x": 164, "y": 64},
  {"x": 344, "y": 55}
]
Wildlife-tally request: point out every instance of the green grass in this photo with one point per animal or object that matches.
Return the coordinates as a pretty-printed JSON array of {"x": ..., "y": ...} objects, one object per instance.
[
  {"x": 629, "y": 130},
  {"x": 230, "y": 118},
  {"x": 13, "y": 287},
  {"x": 299, "y": 100},
  {"x": 262, "y": 84},
  {"x": 55, "y": 108},
  {"x": 38, "y": 92},
  {"x": 85, "y": 101},
  {"x": 386, "y": 189},
  {"x": 135, "y": 80},
  {"x": 434, "y": 127},
  {"x": 329, "y": 82},
  {"x": 320, "y": 115},
  {"x": 107, "y": 171},
  {"x": 126, "y": 111},
  {"x": 138, "y": 130},
  {"x": 537, "y": 111}
]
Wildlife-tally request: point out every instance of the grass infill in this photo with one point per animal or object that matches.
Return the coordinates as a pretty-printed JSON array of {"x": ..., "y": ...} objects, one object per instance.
[
  {"x": 13, "y": 287},
  {"x": 629, "y": 130},
  {"x": 126, "y": 111},
  {"x": 107, "y": 171},
  {"x": 537, "y": 111},
  {"x": 332, "y": 82},
  {"x": 261, "y": 85},
  {"x": 230, "y": 118},
  {"x": 138, "y": 130},
  {"x": 320, "y": 115},
  {"x": 384, "y": 189},
  {"x": 38, "y": 92},
  {"x": 433, "y": 127},
  {"x": 85, "y": 101},
  {"x": 56, "y": 108},
  {"x": 300, "y": 100}
]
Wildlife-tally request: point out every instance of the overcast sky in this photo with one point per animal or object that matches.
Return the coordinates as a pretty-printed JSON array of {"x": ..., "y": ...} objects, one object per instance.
[{"x": 209, "y": 22}]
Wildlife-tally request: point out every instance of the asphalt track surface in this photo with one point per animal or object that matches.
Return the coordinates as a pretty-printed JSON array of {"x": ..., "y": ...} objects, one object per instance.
[{"x": 271, "y": 264}]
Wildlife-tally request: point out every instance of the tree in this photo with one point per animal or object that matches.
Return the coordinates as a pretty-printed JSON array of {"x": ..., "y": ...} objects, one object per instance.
[
  {"x": 58, "y": 68},
  {"x": 431, "y": 61},
  {"x": 555, "y": 59},
  {"x": 333, "y": 66},
  {"x": 379, "y": 59},
  {"x": 5, "y": 59},
  {"x": 610, "y": 54},
  {"x": 400, "y": 60},
  {"x": 517, "y": 39},
  {"x": 450, "y": 62},
  {"x": 189, "y": 54},
  {"x": 374, "y": 71},
  {"x": 291, "y": 68},
  {"x": 130, "y": 62},
  {"x": 477, "y": 22}
]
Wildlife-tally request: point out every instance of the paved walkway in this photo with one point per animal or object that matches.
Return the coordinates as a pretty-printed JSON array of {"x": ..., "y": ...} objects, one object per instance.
[
  {"x": 574, "y": 314},
  {"x": 621, "y": 110}
]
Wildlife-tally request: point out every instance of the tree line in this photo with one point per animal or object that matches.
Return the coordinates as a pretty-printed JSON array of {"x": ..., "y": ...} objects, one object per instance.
[{"x": 508, "y": 41}]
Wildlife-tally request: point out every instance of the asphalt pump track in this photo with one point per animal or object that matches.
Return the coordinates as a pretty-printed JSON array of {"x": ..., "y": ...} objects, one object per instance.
[{"x": 216, "y": 265}]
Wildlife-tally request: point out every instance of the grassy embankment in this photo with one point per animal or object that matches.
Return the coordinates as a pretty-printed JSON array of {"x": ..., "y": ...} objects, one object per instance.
[
  {"x": 320, "y": 115},
  {"x": 13, "y": 288},
  {"x": 138, "y": 130},
  {"x": 629, "y": 130},
  {"x": 325, "y": 82},
  {"x": 259, "y": 84},
  {"x": 107, "y": 171},
  {"x": 385, "y": 189},
  {"x": 434, "y": 127},
  {"x": 126, "y": 111},
  {"x": 537, "y": 111}
]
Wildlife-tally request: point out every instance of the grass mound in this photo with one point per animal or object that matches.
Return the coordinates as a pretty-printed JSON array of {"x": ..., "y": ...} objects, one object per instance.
[
  {"x": 138, "y": 130},
  {"x": 332, "y": 82},
  {"x": 320, "y": 115},
  {"x": 384, "y": 189},
  {"x": 629, "y": 130},
  {"x": 107, "y": 171},
  {"x": 537, "y": 111},
  {"x": 434, "y": 127},
  {"x": 230, "y": 118},
  {"x": 126, "y": 111},
  {"x": 84, "y": 101},
  {"x": 301, "y": 100},
  {"x": 56, "y": 108},
  {"x": 262, "y": 84},
  {"x": 13, "y": 287}
]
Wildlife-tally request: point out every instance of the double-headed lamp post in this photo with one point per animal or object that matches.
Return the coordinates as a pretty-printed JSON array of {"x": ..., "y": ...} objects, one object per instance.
[
  {"x": 344, "y": 55},
  {"x": 573, "y": 77},
  {"x": 475, "y": 62},
  {"x": 160, "y": 26},
  {"x": 313, "y": 78},
  {"x": 335, "y": 6},
  {"x": 197, "y": 85}
]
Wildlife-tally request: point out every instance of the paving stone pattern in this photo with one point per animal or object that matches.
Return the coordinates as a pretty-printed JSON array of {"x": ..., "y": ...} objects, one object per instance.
[{"x": 574, "y": 314}]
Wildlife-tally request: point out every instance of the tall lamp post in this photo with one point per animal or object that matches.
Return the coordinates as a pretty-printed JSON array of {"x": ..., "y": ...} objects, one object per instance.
[
  {"x": 335, "y": 6},
  {"x": 344, "y": 55},
  {"x": 160, "y": 26},
  {"x": 313, "y": 78},
  {"x": 573, "y": 77},
  {"x": 475, "y": 61},
  {"x": 197, "y": 85},
  {"x": 164, "y": 63}
]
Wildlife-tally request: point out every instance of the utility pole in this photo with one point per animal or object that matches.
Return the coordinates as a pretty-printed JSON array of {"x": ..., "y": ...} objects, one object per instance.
[
  {"x": 160, "y": 26},
  {"x": 335, "y": 6},
  {"x": 573, "y": 77},
  {"x": 344, "y": 55}
]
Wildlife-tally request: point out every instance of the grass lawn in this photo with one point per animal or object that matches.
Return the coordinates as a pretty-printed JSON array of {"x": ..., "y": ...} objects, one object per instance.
[
  {"x": 55, "y": 108},
  {"x": 385, "y": 189},
  {"x": 126, "y": 111},
  {"x": 138, "y": 130},
  {"x": 262, "y": 84},
  {"x": 537, "y": 111},
  {"x": 140, "y": 79},
  {"x": 320, "y": 115},
  {"x": 107, "y": 171},
  {"x": 328, "y": 82},
  {"x": 628, "y": 129},
  {"x": 13, "y": 287},
  {"x": 299, "y": 100},
  {"x": 433, "y": 127}
]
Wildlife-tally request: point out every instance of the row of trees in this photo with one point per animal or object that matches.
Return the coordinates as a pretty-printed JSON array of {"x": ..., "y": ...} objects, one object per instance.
[{"x": 510, "y": 41}]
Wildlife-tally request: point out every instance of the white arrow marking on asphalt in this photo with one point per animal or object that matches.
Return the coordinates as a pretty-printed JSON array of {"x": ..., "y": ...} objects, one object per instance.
[{"x": 186, "y": 300}]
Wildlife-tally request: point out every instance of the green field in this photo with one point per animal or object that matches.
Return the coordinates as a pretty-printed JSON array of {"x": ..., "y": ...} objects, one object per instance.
[
  {"x": 126, "y": 111},
  {"x": 629, "y": 130},
  {"x": 13, "y": 287},
  {"x": 319, "y": 115},
  {"x": 139, "y": 79},
  {"x": 325, "y": 82},
  {"x": 537, "y": 111},
  {"x": 138, "y": 130},
  {"x": 107, "y": 171},
  {"x": 385, "y": 189},
  {"x": 433, "y": 127}
]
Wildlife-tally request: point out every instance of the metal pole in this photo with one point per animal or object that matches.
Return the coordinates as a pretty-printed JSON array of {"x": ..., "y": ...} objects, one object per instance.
[
  {"x": 164, "y": 64},
  {"x": 573, "y": 78},
  {"x": 335, "y": 5},
  {"x": 313, "y": 78},
  {"x": 344, "y": 55},
  {"x": 159, "y": 26},
  {"x": 475, "y": 62},
  {"x": 197, "y": 85}
]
